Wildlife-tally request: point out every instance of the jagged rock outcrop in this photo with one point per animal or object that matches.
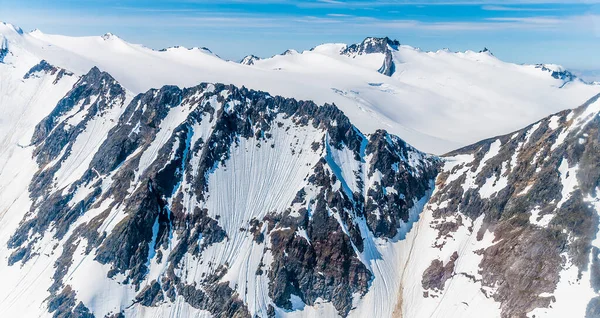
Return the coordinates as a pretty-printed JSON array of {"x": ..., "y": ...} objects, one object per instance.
[
  {"x": 45, "y": 67},
  {"x": 558, "y": 73},
  {"x": 183, "y": 179},
  {"x": 249, "y": 60},
  {"x": 217, "y": 200},
  {"x": 289, "y": 52},
  {"x": 527, "y": 203},
  {"x": 375, "y": 45},
  {"x": 3, "y": 48},
  {"x": 371, "y": 45}
]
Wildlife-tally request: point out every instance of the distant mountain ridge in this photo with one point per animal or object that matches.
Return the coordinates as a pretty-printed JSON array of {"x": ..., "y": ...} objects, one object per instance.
[
  {"x": 136, "y": 188},
  {"x": 377, "y": 83},
  {"x": 217, "y": 200}
]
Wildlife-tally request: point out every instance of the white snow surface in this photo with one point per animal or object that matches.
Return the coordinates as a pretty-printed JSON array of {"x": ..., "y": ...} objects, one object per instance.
[
  {"x": 250, "y": 184},
  {"x": 436, "y": 101},
  {"x": 23, "y": 103}
]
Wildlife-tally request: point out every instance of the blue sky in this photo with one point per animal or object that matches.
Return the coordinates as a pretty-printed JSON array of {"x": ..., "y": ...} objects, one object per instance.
[{"x": 526, "y": 31}]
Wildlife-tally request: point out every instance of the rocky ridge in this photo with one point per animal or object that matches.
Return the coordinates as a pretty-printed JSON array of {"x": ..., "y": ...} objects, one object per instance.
[
  {"x": 529, "y": 199},
  {"x": 150, "y": 203},
  {"x": 216, "y": 200},
  {"x": 375, "y": 45}
]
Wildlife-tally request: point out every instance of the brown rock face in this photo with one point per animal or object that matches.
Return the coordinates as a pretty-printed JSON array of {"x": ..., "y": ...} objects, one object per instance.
[{"x": 541, "y": 216}]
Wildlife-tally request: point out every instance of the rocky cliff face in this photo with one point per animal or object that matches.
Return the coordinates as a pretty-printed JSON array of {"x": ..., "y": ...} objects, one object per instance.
[
  {"x": 232, "y": 201},
  {"x": 558, "y": 72},
  {"x": 514, "y": 221},
  {"x": 216, "y": 200},
  {"x": 3, "y": 48},
  {"x": 249, "y": 60},
  {"x": 372, "y": 45}
]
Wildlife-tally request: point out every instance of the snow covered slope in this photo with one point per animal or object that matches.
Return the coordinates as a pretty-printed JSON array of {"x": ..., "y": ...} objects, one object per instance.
[
  {"x": 210, "y": 200},
  {"x": 436, "y": 101},
  {"x": 218, "y": 200},
  {"x": 215, "y": 200},
  {"x": 512, "y": 227}
]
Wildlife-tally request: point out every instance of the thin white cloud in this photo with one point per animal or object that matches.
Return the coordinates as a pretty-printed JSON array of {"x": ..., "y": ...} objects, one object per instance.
[
  {"x": 310, "y": 19},
  {"x": 587, "y": 24},
  {"x": 336, "y": 23},
  {"x": 515, "y": 9},
  {"x": 494, "y": 5},
  {"x": 498, "y": 5},
  {"x": 331, "y": 1},
  {"x": 529, "y": 20},
  {"x": 156, "y": 10}
]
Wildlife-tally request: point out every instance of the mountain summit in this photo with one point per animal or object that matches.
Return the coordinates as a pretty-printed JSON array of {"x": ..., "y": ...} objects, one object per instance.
[
  {"x": 221, "y": 200},
  {"x": 376, "y": 83}
]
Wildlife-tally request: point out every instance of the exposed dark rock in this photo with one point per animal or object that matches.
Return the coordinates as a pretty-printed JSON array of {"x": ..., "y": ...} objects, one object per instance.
[
  {"x": 3, "y": 49},
  {"x": 385, "y": 212},
  {"x": 151, "y": 295},
  {"x": 63, "y": 306},
  {"x": 436, "y": 275},
  {"x": 44, "y": 66},
  {"x": 249, "y": 59},
  {"x": 563, "y": 75},
  {"x": 593, "y": 308},
  {"x": 164, "y": 198},
  {"x": 130, "y": 244},
  {"x": 527, "y": 257},
  {"x": 376, "y": 45},
  {"x": 218, "y": 298},
  {"x": 523, "y": 265},
  {"x": 388, "y": 68},
  {"x": 325, "y": 267},
  {"x": 371, "y": 45}
]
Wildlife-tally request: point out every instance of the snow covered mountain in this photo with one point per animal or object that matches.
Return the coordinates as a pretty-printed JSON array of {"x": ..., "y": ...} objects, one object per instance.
[
  {"x": 218, "y": 200},
  {"x": 437, "y": 101},
  {"x": 210, "y": 199},
  {"x": 512, "y": 227}
]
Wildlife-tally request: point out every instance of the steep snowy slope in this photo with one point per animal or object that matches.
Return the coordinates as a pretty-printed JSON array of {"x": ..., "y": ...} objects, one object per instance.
[
  {"x": 437, "y": 101},
  {"x": 220, "y": 201},
  {"x": 512, "y": 227},
  {"x": 206, "y": 200},
  {"x": 28, "y": 92},
  {"x": 217, "y": 200}
]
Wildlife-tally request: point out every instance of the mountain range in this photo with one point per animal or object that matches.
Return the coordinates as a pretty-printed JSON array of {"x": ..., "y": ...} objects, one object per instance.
[
  {"x": 346, "y": 180},
  {"x": 425, "y": 97}
]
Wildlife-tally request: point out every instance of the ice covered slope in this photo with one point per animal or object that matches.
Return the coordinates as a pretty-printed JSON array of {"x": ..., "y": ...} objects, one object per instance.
[
  {"x": 29, "y": 90},
  {"x": 219, "y": 200},
  {"x": 436, "y": 101},
  {"x": 512, "y": 228},
  {"x": 206, "y": 201}
]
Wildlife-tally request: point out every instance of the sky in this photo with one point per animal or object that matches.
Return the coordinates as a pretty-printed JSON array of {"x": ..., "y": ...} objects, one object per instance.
[{"x": 521, "y": 31}]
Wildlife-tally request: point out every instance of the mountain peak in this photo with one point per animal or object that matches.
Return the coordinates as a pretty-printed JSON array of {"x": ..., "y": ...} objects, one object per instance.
[
  {"x": 108, "y": 36},
  {"x": 183, "y": 142},
  {"x": 486, "y": 50},
  {"x": 3, "y": 48},
  {"x": 183, "y": 48},
  {"x": 372, "y": 45},
  {"x": 558, "y": 72},
  {"x": 97, "y": 78},
  {"x": 7, "y": 27},
  {"x": 379, "y": 40},
  {"x": 249, "y": 59},
  {"x": 289, "y": 52},
  {"x": 44, "y": 67}
]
